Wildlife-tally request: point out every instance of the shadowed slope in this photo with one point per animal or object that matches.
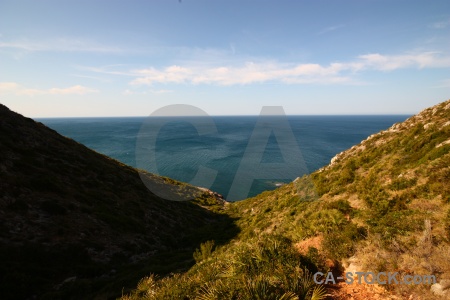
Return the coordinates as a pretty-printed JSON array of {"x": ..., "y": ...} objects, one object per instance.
[{"x": 67, "y": 211}]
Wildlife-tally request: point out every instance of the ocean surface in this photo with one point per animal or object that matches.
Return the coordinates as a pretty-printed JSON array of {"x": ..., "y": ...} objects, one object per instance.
[{"x": 177, "y": 147}]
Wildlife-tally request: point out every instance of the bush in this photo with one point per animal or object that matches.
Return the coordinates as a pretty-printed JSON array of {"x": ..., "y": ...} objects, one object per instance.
[
  {"x": 447, "y": 224},
  {"x": 347, "y": 174},
  {"x": 204, "y": 252},
  {"x": 268, "y": 267},
  {"x": 341, "y": 243},
  {"x": 402, "y": 183},
  {"x": 326, "y": 220},
  {"x": 341, "y": 205}
]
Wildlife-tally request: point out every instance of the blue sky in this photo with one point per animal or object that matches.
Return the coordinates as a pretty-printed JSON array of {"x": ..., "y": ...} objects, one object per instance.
[{"x": 129, "y": 58}]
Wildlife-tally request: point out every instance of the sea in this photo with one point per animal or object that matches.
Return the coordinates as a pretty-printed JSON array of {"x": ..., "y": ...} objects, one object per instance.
[{"x": 224, "y": 153}]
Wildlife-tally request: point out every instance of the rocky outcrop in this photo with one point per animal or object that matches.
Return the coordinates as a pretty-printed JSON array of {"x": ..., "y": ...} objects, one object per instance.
[{"x": 384, "y": 136}]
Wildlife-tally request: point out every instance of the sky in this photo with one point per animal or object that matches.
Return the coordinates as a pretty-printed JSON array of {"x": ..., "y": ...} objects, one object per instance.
[{"x": 226, "y": 57}]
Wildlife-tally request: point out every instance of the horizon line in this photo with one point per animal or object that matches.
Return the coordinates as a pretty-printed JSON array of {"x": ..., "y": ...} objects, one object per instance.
[{"x": 287, "y": 115}]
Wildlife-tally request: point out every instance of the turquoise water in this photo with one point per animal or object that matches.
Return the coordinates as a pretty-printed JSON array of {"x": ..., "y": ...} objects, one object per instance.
[{"x": 179, "y": 149}]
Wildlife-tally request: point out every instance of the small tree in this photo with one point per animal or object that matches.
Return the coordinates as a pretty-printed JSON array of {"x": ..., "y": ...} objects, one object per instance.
[{"x": 204, "y": 252}]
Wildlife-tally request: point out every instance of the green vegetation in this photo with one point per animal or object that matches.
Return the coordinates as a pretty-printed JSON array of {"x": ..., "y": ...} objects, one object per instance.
[
  {"x": 268, "y": 267},
  {"x": 385, "y": 203},
  {"x": 204, "y": 252}
]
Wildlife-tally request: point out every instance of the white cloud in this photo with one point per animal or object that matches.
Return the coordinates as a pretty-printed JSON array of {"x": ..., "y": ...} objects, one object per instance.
[
  {"x": 249, "y": 73},
  {"x": 389, "y": 63},
  {"x": 443, "y": 84},
  {"x": 17, "y": 89},
  {"x": 330, "y": 28},
  {"x": 76, "y": 89},
  {"x": 8, "y": 87},
  {"x": 59, "y": 45},
  {"x": 108, "y": 69},
  {"x": 440, "y": 25},
  {"x": 91, "y": 77},
  {"x": 261, "y": 72},
  {"x": 128, "y": 92},
  {"x": 161, "y": 91}
]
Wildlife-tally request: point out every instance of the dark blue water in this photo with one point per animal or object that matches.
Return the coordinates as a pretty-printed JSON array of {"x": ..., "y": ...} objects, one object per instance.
[{"x": 180, "y": 151}]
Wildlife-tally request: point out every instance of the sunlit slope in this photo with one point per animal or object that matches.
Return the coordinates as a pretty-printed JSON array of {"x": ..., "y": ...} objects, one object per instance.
[
  {"x": 382, "y": 205},
  {"x": 386, "y": 201},
  {"x": 390, "y": 173}
]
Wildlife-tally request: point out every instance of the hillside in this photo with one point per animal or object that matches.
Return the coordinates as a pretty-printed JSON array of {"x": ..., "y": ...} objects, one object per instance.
[
  {"x": 75, "y": 224},
  {"x": 381, "y": 206}
]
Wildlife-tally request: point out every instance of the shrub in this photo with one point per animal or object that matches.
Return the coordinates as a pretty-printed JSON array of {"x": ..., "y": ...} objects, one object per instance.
[
  {"x": 341, "y": 205},
  {"x": 204, "y": 252},
  {"x": 447, "y": 224},
  {"x": 347, "y": 174},
  {"x": 341, "y": 243},
  {"x": 326, "y": 220},
  {"x": 402, "y": 183},
  {"x": 268, "y": 267}
]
